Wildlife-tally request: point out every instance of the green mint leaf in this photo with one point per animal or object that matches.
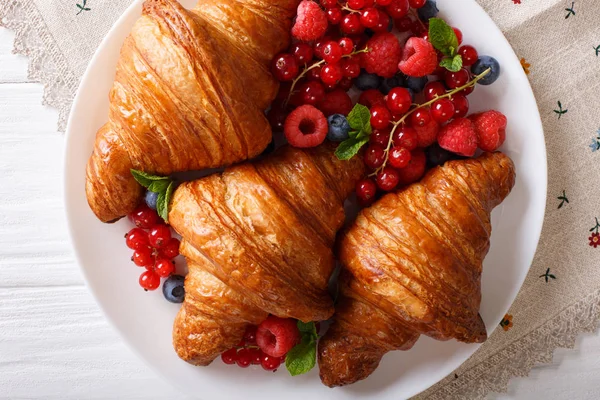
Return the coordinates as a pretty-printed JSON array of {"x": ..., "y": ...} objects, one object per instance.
[
  {"x": 159, "y": 186},
  {"x": 362, "y": 135},
  {"x": 353, "y": 134},
  {"x": 360, "y": 118},
  {"x": 163, "y": 200},
  {"x": 303, "y": 357},
  {"x": 309, "y": 328},
  {"x": 442, "y": 37},
  {"x": 145, "y": 179},
  {"x": 453, "y": 64},
  {"x": 349, "y": 148}
]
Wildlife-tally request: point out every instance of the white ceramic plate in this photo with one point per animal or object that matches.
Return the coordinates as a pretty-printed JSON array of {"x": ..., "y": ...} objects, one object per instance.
[{"x": 145, "y": 319}]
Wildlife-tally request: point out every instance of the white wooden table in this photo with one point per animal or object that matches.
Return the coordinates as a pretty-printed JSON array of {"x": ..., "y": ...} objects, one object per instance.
[{"x": 54, "y": 341}]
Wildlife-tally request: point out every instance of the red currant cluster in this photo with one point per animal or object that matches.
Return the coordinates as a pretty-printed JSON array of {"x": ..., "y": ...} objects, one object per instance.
[
  {"x": 248, "y": 353},
  {"x": 152, "y": 245}
]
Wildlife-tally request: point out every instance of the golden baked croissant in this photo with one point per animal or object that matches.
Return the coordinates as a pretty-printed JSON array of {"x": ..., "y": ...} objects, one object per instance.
[
  {"x": 190, "y": 91},
  {"x": 413, "y": 266},
  {"x": 258, "y": 239}
]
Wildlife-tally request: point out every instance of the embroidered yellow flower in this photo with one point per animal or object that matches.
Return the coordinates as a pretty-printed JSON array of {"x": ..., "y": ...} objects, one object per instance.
[
  {"x": 525, "y": 65},
  {"x": 506, "y": 322}
]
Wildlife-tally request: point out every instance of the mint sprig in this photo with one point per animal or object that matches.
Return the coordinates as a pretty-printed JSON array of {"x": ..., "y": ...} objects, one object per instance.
[
  {"x": 162, "y": 185},
  {"x": 443, "y": 38},
  {"x": 303, "y": 357},
  {"x": 360, "y": 130}
]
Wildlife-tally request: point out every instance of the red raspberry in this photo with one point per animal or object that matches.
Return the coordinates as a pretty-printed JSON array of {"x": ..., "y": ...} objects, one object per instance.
[
  {"x": 370, "y": 97},
  {"x": 491, "y": 129},
  {"x": 428, "y": 133},
  {"x": 459, "y": 137},
  {"x": 415, "y": 168},
  {"x": 336, "y": 102},
  {"x": 305, "y": 127},
  {"x": 311, "y": 22},
  {"x": 383, "y": 56},
  {"x": 276, "y": 336},
  {"x": 419, "y": 58}
]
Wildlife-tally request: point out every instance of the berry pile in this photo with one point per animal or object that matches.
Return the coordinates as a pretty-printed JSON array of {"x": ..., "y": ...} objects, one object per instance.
[
  {"x": 153, "y": 247},
  {"x": 411, "y": 71},
  {"x": 265, "y": 345}
]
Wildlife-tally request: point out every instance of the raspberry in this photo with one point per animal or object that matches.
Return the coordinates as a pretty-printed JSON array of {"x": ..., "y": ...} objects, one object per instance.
[
  {"x": 276, "y": 336},
  {"x": 419, "y": 58},
  {"x": 415, "y": 168},
  {"x": 336, "y": 102},
  {"x": 428, "y": 133},
  {"x": 383, "y": 56},
  {"x": 311, "y": 22},
  {"x": 491, "y": 129},
  {"x": 370, "y": 97},
  {"x": 459, "y": 137},
  {"x": 305, "y": 127}
]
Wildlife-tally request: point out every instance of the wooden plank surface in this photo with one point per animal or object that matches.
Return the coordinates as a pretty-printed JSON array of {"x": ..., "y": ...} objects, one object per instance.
[{"x": 54, "y": 341}]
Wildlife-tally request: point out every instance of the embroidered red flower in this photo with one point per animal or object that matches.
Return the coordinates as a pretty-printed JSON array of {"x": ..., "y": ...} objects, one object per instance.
[
  {"x": 506, "y": 322},
  {"x": 595, "y": 240}
]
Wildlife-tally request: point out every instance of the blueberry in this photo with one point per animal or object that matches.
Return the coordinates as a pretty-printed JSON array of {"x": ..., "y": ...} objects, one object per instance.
[
  {"x": 151, "y": 198},
  {"x": 366, "y": 81},
  {"x": 429, "y": 10},
  {"x": 416, "y": 84},
  {"x": 339, "y": 128},
  {"x": 390, "y": 25},
  {"x": 437, "y": 156},
  {"x": 173, "y": 289},
  {"x": 484, "y": 63},
  {"x": 390, "y": 83}
]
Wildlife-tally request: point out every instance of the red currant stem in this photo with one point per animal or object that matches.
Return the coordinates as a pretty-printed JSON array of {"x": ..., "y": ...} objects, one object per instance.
[
  {"x": 315, "y": 65},
  {"x": 351, "y": 10},
  {"x": 427, "y": 104}
]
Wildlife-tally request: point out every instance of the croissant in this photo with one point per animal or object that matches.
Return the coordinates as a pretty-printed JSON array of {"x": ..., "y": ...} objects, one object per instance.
[
  {"x": 258, "y": 239},
  {"x": 413, "y": 266},
  {"x": 190, "y": 91}
]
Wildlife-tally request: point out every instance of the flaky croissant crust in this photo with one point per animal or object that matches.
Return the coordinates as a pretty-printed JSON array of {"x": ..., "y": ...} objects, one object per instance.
[
  {"x": 190, "y": 91},
  {"x": 413, "y": 266}
]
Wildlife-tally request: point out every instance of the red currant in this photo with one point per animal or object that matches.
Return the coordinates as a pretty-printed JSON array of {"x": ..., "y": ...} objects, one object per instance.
[
  {"x": 346, "y": 83},
  {"x": 469, "y": 55},
  {"x": 356, "y": 4},
  {"x": 398, "y": 9},
  {"x": 456, "y": 79},
  {"x": 285, "y": 67},
  {"x": 366, "y": 190},
  {"x": 347, "y": 45},
  {"x": 256, "y": 355},
  {"x": 164, "y": 267},
  {"x": 149, "y": 280},
  {"x": 380, "y": 116},
  {"x": 380, "y": 137},
  {"x": 468, "y": 90},
  {"x": 143, "y": 257},
  {"x": 229, "y": 357},
  {"x": 388, "y": 179},
  {"x": 159, "y": 236},
  {"x": 433, "y": 90},
  {"x": 331, "y": 74},
  {"x": 374, "y": 156},
  {"x": 399, "y": 100},
  {"x": 404, "y": 24},
  {"x": 383, "y": 23},
  {"x": 314, "y": 74},
  {"x": 369, "y": 17},
  {"x": 332, "y": 52},
  {"x": 270, "y": 363},
  {"x": 350, "y": 68},
  {"x": 144, "y": 217},
  {"x": 244, "y": 358},
  {"x": 461, "y": 105},
  {"x": 171, "y": 249},
  {"x": 417, "y": 3},
  {"x": 406, "y": 137},
  {"x": 370, "y": 97},
  {"x": 319, "y": 45},
  {"x": 459, "y": 35},
  {"x": 442, "y": 110},
  {"x": 383, "y": 3},
  {"x": 399, "y": 157},
  {"x": 303, "y": 52},
  {"x": 420, "y": 117},
  {"x": 335, "y": 15},
  {"x": 312, "y": 92},
  {"x": 136, "y": 239},
  {"x": 351, "y": 25},
  {"x": 250, "y": 335},
  {"x": 329, "y": 3}
]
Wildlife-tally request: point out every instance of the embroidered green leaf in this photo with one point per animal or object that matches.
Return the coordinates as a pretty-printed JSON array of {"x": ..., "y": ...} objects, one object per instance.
[
  {"x": 443, "y": 37},
  {"x": 349, "y": 148},
  {"x": 452, "y": 64}
]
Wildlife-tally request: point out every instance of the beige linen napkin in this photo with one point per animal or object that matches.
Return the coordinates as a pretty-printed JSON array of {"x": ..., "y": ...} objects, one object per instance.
[{"x": 559, "y": 43}]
